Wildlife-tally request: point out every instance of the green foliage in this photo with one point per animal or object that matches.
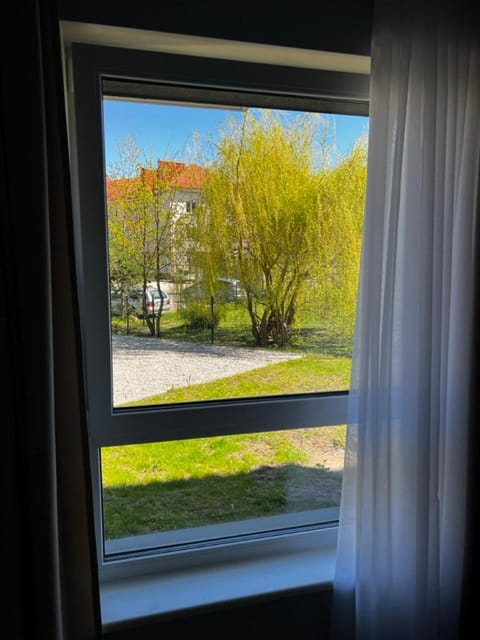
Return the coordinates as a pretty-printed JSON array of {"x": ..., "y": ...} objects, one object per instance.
[
  {"x": 199, "y": 315},
  {"x": 282, "y": 221},
  {"x": 275, "y": 212},
  {"x": 140, "y": 218},
  {"x": 341, "y": 201}
]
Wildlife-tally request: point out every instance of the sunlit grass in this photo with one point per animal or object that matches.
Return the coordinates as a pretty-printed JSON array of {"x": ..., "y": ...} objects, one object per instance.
[
  {"x": 308, "y": 374},
  {"x": 188, "y": 483}
]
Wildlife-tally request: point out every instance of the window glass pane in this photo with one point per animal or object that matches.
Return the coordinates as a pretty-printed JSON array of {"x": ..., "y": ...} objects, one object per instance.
[
  {"x": 190, "y": 484},
  {"x": 248, "y": 221}
]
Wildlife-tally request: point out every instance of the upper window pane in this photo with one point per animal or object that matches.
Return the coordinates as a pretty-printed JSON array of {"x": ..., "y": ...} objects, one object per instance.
[{"x": 234, "y": 241}]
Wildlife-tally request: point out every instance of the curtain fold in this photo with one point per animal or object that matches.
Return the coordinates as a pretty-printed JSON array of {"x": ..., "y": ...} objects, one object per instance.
[
  {"x": 402, "y": 521},
  {"x": 51, "y": 568}
]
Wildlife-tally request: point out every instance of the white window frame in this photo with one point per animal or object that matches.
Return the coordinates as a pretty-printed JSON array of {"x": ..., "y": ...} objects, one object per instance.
[{"x": 334, "y": 83}]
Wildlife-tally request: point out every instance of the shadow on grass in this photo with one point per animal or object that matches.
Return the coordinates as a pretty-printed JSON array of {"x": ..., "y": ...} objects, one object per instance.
[
  {"x": 269, "y": 490},
  {"x": 315, "y": 340}
]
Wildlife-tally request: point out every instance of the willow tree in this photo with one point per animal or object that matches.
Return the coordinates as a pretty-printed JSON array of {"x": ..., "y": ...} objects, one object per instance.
[
  {"x": 261, "y": 220},
  {"x": 341, "y": 191}
]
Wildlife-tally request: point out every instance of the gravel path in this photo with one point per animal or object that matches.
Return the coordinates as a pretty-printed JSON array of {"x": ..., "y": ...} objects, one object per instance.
[{"x": 145, "y": 366}]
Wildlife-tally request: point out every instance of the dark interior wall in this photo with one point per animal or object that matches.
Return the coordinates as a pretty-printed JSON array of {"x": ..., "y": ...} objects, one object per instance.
[
  {"x": 297, "y": 617},
  {"x": 342, "y": 26}
]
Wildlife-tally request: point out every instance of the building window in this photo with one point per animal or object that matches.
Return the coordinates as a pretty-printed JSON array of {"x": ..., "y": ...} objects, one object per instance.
[{"x": 216, "y": 418}]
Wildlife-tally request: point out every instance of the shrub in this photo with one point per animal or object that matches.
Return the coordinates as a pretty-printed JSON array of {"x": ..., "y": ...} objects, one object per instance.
[{"x": 198, "y": 315}]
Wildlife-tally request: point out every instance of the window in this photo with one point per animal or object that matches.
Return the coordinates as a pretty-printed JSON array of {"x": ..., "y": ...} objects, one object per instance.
[{"x": 191, "y": 474}]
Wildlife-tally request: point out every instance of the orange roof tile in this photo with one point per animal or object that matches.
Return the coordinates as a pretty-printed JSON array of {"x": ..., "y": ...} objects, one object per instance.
[{"x": 175, "y": 174}]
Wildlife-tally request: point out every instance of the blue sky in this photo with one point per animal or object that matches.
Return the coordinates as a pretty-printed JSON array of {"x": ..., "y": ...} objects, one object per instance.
[{"x": 166, "y": 131}]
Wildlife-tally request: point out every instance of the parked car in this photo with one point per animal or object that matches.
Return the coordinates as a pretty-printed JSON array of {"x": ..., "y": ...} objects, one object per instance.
[
  {"x": 228, "y": 290},
  {"x": 135, "y": 301}
]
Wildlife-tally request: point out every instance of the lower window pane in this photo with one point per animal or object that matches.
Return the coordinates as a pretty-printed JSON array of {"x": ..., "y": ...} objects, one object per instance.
[{"x": 190, "y": 485}]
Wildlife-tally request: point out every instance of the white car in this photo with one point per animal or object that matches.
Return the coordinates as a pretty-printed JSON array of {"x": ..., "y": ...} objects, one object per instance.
[{"x": 135, "y": 301}]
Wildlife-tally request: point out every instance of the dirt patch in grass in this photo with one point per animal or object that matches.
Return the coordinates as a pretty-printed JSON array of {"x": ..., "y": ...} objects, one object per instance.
[
  {"x": 319, "y": 480},
  {"x": 324, "y": 446},
  {"x": 316, "y": 480}
]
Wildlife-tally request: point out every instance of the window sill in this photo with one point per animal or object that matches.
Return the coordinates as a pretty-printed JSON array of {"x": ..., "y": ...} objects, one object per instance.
[{"x": 142, "y": 599}]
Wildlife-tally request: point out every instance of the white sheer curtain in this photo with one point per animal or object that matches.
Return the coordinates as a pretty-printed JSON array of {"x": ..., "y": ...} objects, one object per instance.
[{"x": 402, "y": 525}]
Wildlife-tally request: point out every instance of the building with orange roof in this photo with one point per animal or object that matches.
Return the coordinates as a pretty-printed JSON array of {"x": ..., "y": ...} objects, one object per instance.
[
  {"x": 180, "y": 185},
  {"x": 184, "y": 180}
]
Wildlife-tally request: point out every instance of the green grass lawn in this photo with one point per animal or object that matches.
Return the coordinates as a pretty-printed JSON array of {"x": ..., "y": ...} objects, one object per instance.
[
  {"x": 309, "y": 374},
  {"x": 171, "y": 485},
  {"x": 309, "y": 336}
]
